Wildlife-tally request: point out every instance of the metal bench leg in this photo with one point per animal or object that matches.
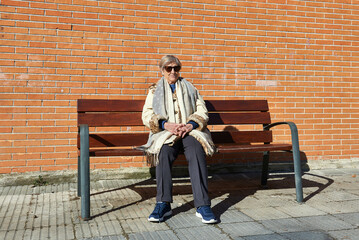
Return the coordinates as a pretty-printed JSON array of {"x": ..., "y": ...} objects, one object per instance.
[
  {"x": 78, "y": 176},
  {"x": 298, "y": 174},
  {"x": 297, "y": 164},
  {"x": 85, "y": 172},
  {"x": 265, "y": 168}
]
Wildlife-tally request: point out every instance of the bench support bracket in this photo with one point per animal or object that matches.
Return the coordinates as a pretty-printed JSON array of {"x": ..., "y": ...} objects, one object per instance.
[{"x": 265, "y": 168}]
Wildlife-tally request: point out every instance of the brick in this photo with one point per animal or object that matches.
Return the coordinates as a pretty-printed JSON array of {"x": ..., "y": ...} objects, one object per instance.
[
  {"x": 15, "y": 3},
  {"x": 39, "y": 162},
  {"x": 54, "y": 168},
  {"x": 25, "y": 169},
  {"x": 12, "y": 150}
]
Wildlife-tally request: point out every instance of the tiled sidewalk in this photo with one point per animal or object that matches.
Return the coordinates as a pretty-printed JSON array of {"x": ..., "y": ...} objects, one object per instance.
[{"x": 120, "y": 209}]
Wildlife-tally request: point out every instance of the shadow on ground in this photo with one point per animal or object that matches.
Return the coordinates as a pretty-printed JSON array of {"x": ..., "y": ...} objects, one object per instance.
[{"x": 236, "y": 187}]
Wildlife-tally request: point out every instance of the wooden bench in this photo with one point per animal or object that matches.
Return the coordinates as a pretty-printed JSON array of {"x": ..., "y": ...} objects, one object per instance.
[{"x": 94, "y": 113}]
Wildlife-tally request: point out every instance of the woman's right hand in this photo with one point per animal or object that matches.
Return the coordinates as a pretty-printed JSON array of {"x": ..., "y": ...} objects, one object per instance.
[{"x": 174, "y": 128}]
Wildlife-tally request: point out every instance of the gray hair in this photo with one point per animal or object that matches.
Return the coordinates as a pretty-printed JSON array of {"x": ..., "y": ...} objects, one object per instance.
[{"x": 169, "y": 59}]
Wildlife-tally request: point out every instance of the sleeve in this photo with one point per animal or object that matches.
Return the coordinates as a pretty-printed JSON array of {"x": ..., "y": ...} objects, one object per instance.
[
  {"x": 162, "y": 124},
  {"x": 149, "y": 118},
  {"x": 200, "y": 116},
  {"x": 194, "y": 124}
]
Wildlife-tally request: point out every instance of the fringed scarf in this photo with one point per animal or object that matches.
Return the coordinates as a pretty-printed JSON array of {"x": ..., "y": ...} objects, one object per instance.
[{"x": 163, "y": 106}]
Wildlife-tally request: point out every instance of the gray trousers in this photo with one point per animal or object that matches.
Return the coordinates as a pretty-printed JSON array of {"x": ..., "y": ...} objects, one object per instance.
[{"x": 197, "y": 167}]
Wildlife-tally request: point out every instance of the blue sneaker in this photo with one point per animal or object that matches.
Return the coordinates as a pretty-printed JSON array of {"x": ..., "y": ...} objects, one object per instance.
[
  {"x": 161, "y": 211},
  {"x": 205, "y": 212}
]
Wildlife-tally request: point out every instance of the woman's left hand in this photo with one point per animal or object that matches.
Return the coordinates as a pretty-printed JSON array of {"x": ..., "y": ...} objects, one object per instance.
[{"x": 185, "y": 129}]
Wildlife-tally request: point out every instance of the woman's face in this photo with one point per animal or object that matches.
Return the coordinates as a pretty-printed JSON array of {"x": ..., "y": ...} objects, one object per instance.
[{"x": 171, "y": 72}]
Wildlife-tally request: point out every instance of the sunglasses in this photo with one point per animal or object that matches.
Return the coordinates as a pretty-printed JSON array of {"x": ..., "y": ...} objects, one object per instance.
[{"x": 169, "y": 68}]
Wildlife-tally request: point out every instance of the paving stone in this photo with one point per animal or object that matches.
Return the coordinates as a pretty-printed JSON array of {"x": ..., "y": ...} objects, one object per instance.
[
  {"x": 184, "y": 221},
  {"x": 325, "y": 223},
  {"x": 249, "y": 203},
  {"x": 5, "y": 223},
  {"x": 232, "y": 216},
  {"x": 339, "y": 196},
  {"x": 142, "y": 225},
  {"x": 65, "y": 232},
  {"x": 265, "y": 213},
  {"x": 301, "y": 211},
  {"x": 266, "y": 237},
  {"x": 36, "y": 233},
  {"x": 313, "y": 235},
  {"x": 352, "y": 218},
  {"x": 27, "y": 234},
  {"x": 53, "y": 232},
  {"x": 208, "y": 232},
  {"x": 336, "y": 207},
  {"x": 223, "y": 203},
  {"x": 279, "y": 201},
  {"x": 285, "y": 225},
  {"x": 346, "y": 183},
  {"x": 83, "y": 230},
  {"x": 164, "y": 235},
  {"x": 45, "y": 233},
  {"x": 3, "y": 235},
  {"x": 244, "y": 229},
  {"x": 352, "y": 234},
  {"x": 110, "y": 228},
  {"x": 117, "y": 237},
  {"x": 10, "y": 234},
  {"x": 134, "y": 211},
  {"x": 19, "y": 234}
]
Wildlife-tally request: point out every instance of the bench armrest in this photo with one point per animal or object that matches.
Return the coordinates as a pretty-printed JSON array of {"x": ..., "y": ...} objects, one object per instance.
[
  {"x": 293, "y": 130},
  {"x": 296, "y": 156}
]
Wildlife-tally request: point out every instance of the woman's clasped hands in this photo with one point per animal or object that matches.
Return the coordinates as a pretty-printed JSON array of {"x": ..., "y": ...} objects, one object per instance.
[{"x": 178, "y": 129}]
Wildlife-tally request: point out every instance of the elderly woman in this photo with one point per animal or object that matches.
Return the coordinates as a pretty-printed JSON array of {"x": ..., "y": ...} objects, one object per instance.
[{"x": 177, "y": 117}]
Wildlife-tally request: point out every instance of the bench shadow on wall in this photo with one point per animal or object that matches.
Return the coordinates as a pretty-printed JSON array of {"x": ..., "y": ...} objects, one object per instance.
[{"x": 230, "y": 183}]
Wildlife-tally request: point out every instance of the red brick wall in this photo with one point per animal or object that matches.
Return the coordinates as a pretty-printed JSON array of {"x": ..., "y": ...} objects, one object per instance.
[{"x": 302, "y": 56}]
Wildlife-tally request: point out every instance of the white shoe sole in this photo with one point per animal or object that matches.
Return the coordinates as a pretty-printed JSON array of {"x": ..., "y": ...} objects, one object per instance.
[
  {"x": 167, "y": 214},
  {"x": 205, "y": 221}
]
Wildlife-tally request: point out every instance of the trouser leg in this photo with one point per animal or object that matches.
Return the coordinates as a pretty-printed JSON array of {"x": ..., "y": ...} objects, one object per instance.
[
  {"x": 167, "y": 156},
  {"x": 197, "y": 167}
]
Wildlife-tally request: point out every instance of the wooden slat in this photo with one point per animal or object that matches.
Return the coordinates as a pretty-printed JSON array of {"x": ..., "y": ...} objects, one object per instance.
[
  {"x": 234, "y": 148},
  {"x": 229, "y": 148},
  {"x": 237, "y": 105},
  {"x": 136, "y": 139},
  {"x": 115, "y": 152},
  {"x": 134, "y": 119},
  {"x": 239, "y": 118},
  {"x": 101, "y": 105},
  {"x": 242, "y": 137},
  {"x": 110, "y": 119},
  {"x": 115, "y": 139}
]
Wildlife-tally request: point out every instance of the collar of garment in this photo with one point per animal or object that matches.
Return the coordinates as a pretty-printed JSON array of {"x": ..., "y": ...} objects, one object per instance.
[{"x": 173, "y": 87}]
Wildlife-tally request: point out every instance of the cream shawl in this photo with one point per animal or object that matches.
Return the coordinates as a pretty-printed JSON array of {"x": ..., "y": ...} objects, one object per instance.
[{"x": 159, "y": 105}]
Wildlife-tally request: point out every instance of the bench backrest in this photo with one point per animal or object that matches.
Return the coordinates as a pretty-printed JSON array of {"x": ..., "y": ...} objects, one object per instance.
[{"x": 122, "y": 113}]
